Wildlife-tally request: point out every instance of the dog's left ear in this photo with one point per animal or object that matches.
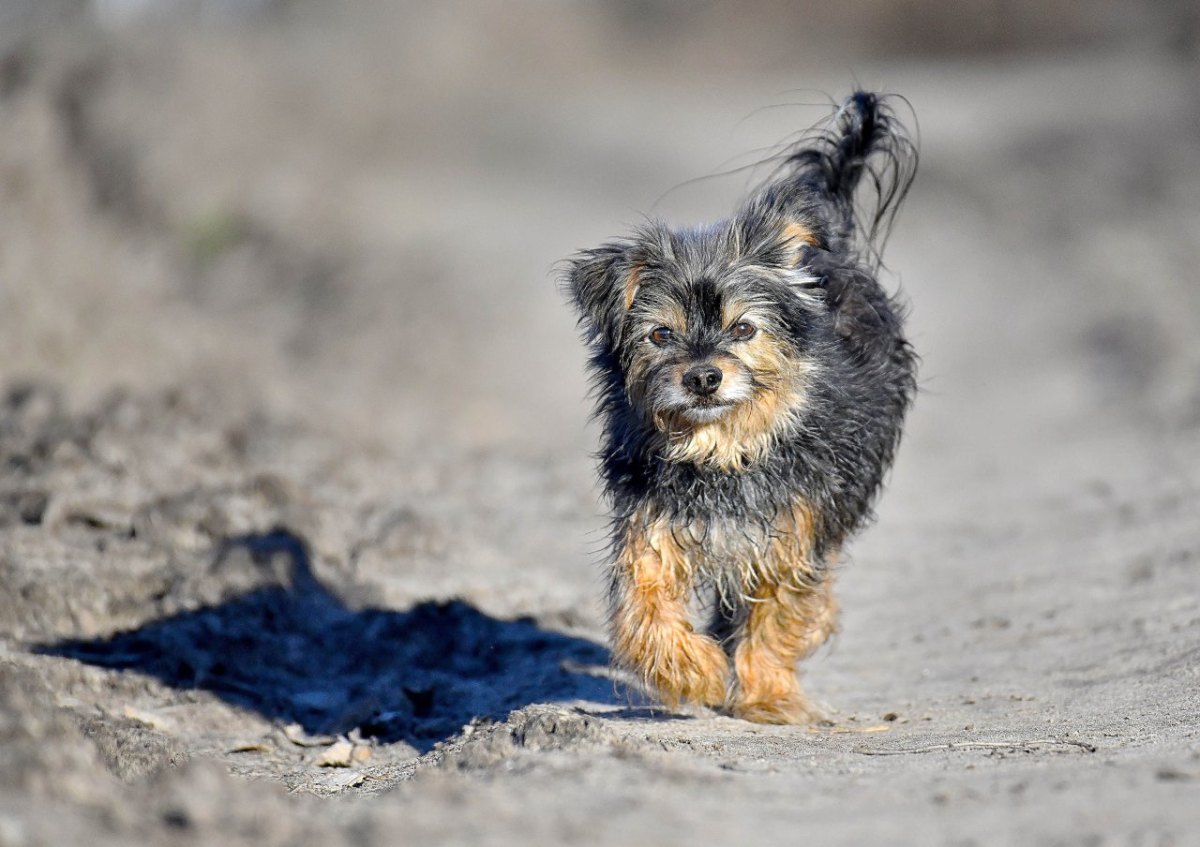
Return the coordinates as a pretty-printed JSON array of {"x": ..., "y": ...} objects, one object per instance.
[
  {"x": 774, "y": 239},
  {"x": 602, "y": 284},
  {"x": 797, "y": 241}
]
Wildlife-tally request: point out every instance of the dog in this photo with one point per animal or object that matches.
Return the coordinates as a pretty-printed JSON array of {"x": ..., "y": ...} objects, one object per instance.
[{"x": 752, "y": 378}]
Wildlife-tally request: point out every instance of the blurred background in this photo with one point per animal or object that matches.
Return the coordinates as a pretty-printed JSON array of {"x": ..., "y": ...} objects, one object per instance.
[{"x": 351, "y": 213}]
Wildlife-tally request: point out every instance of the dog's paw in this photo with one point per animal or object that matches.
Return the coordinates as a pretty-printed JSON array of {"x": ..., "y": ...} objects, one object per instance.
[
  {"x": 691, "y": 668},
  {"x": 794, "y": 709}
]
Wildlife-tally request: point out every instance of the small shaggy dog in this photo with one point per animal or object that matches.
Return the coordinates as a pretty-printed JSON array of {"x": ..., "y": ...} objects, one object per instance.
[{"x": 752, "y": 378}]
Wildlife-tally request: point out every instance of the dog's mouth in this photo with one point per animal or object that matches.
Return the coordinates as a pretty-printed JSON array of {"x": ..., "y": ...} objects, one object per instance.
[
  {"x": 706, "y": 411},
  {"x": 681, "y": 406}
]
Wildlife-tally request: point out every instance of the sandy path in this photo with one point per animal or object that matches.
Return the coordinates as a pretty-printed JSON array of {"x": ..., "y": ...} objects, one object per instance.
[{"x": 248, "y": 553}]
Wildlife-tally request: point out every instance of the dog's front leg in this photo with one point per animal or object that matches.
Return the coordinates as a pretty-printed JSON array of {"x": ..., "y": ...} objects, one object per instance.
[
  {"x": 784, "y": 624},
  {"x": 652, "y": 634}
]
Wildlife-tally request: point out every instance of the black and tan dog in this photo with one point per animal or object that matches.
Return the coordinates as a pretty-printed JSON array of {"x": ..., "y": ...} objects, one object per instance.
[{"x": 752, "y": 378}]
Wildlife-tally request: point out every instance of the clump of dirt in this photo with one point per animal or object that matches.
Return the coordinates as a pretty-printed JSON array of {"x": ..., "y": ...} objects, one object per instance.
[
  {"x": 295, "y": 654},
  {"x": 158, "y": 536}
]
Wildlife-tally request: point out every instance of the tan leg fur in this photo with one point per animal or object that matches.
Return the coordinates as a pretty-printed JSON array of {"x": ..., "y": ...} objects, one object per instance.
[
  {"x": 651, "y": 631},
  {"x": 784, "y": 624}
]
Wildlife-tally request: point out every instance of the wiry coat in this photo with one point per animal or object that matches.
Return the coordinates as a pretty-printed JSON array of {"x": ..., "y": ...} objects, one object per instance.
[{"x": 755, "y": 488}]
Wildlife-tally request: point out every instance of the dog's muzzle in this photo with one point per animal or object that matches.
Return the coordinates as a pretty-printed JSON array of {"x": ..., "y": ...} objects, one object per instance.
[{"x": 702, "y": 380}]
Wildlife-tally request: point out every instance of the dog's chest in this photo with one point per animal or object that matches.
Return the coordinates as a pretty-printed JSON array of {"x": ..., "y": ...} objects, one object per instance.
[{"x": 774, "y": 547}]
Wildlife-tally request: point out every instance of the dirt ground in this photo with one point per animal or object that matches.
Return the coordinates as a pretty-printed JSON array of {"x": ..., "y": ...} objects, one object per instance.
[{"x": 299, "y": 534}]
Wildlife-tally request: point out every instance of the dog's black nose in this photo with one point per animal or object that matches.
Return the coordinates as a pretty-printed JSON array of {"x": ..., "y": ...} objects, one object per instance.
[{"x": 702, "y": 379}]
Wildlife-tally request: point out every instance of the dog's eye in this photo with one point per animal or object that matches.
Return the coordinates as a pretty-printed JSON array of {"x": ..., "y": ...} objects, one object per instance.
[
  {"x": 742, "y": 331},
  {"x": 660, "y": 335}
]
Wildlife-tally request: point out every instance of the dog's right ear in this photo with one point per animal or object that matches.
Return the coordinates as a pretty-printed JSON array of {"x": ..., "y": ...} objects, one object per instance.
[{"x": 602, "y": 284}]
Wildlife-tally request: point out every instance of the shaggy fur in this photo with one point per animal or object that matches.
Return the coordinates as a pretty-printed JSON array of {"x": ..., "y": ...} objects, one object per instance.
[{"x": 752, "y": 378}]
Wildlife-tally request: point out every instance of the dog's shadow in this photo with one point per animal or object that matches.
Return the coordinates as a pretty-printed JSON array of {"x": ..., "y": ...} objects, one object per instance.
[{"x": 295, "y": 653}]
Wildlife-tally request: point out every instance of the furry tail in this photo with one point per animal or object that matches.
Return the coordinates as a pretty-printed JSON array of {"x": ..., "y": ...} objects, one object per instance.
[{"x": 863, "y": 145}]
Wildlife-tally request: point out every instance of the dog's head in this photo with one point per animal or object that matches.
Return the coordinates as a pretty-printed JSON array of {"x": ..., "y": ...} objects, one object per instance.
[{"x": 712, "y": 330}]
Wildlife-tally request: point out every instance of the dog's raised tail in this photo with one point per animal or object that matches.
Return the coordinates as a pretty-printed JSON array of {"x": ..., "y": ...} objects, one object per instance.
[{"x": 855, "y": 171}]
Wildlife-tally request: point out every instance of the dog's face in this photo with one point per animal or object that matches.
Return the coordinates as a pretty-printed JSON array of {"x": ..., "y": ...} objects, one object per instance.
[
  {"x": 711, "y": 328},
  {"x": 696, "y": 348}
]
